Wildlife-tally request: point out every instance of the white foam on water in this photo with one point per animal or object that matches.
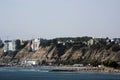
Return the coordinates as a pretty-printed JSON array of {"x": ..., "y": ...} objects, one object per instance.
[{"x": 24, "y": 69}]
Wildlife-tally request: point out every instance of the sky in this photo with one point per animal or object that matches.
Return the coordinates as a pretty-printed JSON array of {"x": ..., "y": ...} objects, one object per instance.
[{"x": 27, "y": 19}]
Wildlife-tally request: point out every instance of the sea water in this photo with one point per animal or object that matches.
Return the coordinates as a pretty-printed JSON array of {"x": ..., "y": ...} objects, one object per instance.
[{"x": 44, "y": 74}]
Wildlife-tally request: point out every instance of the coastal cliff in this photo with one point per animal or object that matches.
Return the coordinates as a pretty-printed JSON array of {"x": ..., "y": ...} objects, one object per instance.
[{"x": 66, "y": 54}]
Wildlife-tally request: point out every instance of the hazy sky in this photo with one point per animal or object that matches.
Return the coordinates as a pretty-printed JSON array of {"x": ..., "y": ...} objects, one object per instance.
[{"x": 26, "y": 19}]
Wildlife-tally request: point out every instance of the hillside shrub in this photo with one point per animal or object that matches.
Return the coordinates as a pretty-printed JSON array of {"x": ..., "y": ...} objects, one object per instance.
[
  {"x": 110, "y": 63},
  {"x": 115, "y": 48}
]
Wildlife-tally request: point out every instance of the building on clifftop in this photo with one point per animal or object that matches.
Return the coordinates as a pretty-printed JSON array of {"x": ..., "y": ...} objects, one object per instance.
[{"x": 9, "y": 45}]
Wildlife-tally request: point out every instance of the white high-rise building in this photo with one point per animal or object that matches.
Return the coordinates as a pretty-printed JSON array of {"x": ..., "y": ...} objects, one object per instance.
[
  {"x": 9, "y": 46},
  {"x": 35, "y": 44}
]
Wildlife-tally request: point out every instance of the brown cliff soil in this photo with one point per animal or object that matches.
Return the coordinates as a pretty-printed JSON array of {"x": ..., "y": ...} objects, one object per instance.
[{"x": 52, "y": 54}]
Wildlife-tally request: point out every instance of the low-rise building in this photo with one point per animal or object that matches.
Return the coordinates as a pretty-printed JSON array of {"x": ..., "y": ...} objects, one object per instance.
[
  {"x": 22, "y": 42},
  {"x": 90, "y": 42},
  {"x": 78, "y": 65},
  {"x": 117, "y": 40},
  {"x": 59, "y": 42},
  {"x": 30, "y": 62}
]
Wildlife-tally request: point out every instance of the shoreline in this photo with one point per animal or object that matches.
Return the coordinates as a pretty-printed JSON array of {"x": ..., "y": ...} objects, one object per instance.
[{"x": 70, "y": 68}]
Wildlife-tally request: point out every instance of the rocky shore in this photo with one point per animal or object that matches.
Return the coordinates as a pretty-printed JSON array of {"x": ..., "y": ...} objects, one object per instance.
[{"x": 85, "y": 69}]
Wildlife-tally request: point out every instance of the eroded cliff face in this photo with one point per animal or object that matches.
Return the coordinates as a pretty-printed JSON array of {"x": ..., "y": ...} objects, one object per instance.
[
  {"x": 53, "y": 54},
  {"x": 1, "y": 51},
  {"x": 50, "y": 54}
]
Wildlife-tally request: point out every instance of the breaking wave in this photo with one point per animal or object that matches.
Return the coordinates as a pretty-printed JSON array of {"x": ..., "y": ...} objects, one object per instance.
[{"x": 24, "y": 69}]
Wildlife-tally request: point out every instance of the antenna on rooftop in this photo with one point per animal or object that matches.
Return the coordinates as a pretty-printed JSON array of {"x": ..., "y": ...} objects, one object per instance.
[{"x": 7, "y": 37}]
